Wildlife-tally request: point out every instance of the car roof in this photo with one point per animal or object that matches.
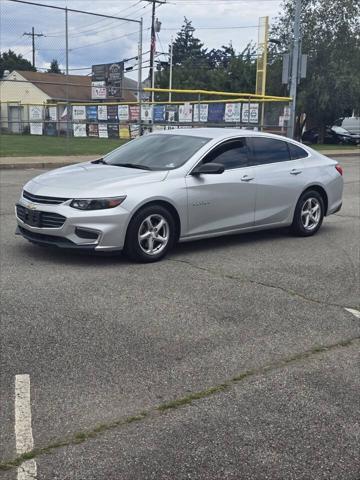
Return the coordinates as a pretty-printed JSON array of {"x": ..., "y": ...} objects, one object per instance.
[{"x": 216, "y": 133}]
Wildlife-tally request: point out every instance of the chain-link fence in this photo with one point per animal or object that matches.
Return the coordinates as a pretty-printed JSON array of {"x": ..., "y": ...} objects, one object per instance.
[{"x": 127, "y": 120}]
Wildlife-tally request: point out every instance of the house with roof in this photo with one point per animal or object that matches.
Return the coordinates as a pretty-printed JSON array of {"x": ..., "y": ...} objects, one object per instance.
[{"x": 21, "y": 89}]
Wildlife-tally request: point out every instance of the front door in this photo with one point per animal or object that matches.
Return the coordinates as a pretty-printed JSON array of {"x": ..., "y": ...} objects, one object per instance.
[{"x": 222, "y": 202}]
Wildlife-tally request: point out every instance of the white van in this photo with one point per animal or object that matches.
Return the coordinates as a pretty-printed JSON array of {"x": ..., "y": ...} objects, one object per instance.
[{"x": 351, "y": 124}]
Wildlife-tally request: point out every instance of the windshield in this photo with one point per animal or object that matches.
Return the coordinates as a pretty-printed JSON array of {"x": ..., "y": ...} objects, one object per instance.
[{"x": 156, "y": 152}]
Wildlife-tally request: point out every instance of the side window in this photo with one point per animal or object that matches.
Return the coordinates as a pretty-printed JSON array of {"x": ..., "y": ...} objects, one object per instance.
[
  {"x": 269, "y": 150},
  {"x": 296, "y": 152},
  {"x": 233, "y": 154}
]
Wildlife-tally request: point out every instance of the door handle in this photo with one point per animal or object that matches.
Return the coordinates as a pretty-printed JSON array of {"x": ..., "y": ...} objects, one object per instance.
[
  {"x": 295, "y": 171},
  {"x": 246, "y": 178}
]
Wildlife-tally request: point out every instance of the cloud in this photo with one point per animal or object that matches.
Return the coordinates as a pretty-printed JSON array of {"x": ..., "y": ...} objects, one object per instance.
[{"x": 95, "y": 40}]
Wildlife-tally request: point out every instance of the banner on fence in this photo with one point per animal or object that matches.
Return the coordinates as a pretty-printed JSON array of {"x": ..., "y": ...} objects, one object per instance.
[
  {"x": 204, "y": 109},
  {"x": 93, "y": 130},
  {"x": 35, "y": 113},
  {"x": 254, "y": 113},
  {"x": 103, "y": 130},
  {"x": 232, "y": 112},
  {"x": 216, "y": 112},
  {"x": 123, "y": 113},
  {"x": 159, "y": 113},
  {"x": 79, "y": 129},
  {"x": 102, "y": 112},
  {"x": 91, "y": 113},
  {"x": 78, "y": 112},
  {"x": 146, "y": 113},
  {"x": 52, "y": 114},
  {"x": 36, "y": 128},
  {"x": 134, "y": 112},
  {"x": 112, "y": 113},
  {"x": 185, "y": 112}
]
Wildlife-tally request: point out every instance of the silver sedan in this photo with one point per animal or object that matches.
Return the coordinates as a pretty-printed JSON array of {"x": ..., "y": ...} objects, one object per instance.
[{"x": 181, "y": 185}]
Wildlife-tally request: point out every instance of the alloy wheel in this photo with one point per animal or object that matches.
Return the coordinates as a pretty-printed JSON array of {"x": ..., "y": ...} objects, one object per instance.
[
  {"x": 154, "y": 234},
  {"x": 311, "y": 213}
]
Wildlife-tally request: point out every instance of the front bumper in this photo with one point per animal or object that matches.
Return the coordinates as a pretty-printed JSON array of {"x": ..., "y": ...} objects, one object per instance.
[{"x": 99, "y": 230}]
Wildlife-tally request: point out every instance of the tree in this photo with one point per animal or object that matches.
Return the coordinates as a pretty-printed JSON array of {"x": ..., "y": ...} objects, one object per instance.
[
  {"x": 11, "y": 61},
  {"x": 54, "y": 67},
  {"x": 331, "y": 37},
  {"x": 219, "y": 69}
]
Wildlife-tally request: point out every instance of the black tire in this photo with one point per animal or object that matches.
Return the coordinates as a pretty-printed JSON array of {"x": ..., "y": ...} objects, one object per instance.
[
  {"x": 134, "y": 249},
  {"x": 298, "y": 227}
]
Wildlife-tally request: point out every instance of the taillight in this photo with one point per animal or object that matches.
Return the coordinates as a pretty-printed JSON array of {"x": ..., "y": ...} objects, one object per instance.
[{"x": 339, "y": 169}]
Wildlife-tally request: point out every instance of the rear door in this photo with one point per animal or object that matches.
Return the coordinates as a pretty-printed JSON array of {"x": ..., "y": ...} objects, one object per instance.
[
  {"x": 220, "y": 202},
  {"x": 279, "y": 172}
]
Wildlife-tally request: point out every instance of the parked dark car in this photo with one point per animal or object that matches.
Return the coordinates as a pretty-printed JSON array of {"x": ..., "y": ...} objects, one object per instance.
[{"x": 333, "y": 135}]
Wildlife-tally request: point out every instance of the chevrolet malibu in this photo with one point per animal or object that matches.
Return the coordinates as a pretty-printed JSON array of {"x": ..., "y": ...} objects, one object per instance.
[{"x": 181, "y": 185}]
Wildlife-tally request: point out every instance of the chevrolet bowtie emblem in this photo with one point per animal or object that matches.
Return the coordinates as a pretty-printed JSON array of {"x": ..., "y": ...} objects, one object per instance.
[{"x": 32, "y": 206}]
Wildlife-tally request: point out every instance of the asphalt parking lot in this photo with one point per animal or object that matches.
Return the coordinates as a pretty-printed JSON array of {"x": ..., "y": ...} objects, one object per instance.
[{"x": 235, "y": 358}]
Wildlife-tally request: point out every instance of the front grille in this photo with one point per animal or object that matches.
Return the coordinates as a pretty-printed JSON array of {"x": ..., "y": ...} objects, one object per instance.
[
  {"x": 44, "y": 200},
  {"x": 39, "y": 219}
]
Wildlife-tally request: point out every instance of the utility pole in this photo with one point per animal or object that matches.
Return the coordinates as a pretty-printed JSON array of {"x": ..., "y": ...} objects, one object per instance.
[
  {"x": 294, "y": 69},
  {"x": 171, "y": 68},
  {"x": 153, "y": 42},
  {"x": 33, "y": 35}
]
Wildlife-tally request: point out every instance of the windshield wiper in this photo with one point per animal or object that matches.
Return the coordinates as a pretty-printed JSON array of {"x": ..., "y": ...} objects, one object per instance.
[
  {"x": 100, "y": 160},
  {"x": 132, "y": 165}
]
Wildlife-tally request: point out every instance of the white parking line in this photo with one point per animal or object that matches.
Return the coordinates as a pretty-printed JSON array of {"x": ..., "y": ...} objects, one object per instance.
[
  {"x": 23, "y": 430},
  {"x": 356, "y": 313}
]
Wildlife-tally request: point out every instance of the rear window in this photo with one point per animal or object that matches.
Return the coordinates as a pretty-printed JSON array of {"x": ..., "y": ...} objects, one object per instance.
[
  {"x": 296, "y": 152},
  {"x": 269, "y": 150}
]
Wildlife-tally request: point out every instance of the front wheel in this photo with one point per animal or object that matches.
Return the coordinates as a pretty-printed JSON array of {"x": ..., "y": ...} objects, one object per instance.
[
  {"x": 309, "y": 214},
  {"x": 150, "y": 235}
]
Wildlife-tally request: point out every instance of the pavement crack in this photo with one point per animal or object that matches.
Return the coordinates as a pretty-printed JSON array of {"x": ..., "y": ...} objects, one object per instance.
[
  {"x": 158, "y": 410},
  {"x": 245, "y": 280}
]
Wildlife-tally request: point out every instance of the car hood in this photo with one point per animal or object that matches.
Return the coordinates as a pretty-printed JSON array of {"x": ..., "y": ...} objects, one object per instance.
[{"x": 91, "y": 180}]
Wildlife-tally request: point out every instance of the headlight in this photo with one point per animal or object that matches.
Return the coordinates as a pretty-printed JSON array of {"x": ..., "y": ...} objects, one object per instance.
[{"x": 96, "y": 203}]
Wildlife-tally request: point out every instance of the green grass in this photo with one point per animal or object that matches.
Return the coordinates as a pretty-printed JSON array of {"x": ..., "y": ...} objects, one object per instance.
[{"x": 32, "y": 145}]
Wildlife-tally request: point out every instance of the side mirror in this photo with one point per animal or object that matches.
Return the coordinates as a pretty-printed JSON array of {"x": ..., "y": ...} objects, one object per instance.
[{"x": 208, "y": 168}]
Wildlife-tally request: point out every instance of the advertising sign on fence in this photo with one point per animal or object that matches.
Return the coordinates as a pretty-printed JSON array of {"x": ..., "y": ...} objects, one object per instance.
[
  {"x": 36, "y": 128},
  {"x": 159, "y": 113},
  {"x": 103, "y": 131},
  {"x": 52, "y": 113},
  {"x": 216, "y": 112},
  {"x": 171, "y": 113},
  {"x": 204, "y": 108},
  {"x": 91, "y": 113},
  {"x": 35, "y": 112},
  {"x": 78, "y": 112},
  {"x": 124, "y": 132},
  {"x": 185, "y": 112},
  {"x": 134, "y": 113},
  {"x": 254, "y": 113},
  {"x": 79, "y": 129},
  {"x": 123, "y": 113},
  {"x": 112, "y": 113},
  {"x": 113, "y": 130},
  {"x": 146, "y": 113},
  {"x": 232, "y": 112},
  {"x": 93, "y": 130},
  {"x": 102, "y": 112}
]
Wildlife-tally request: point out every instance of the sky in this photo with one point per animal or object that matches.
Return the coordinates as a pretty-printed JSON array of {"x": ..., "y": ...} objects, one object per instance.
[{"x": 94, "y": 40}]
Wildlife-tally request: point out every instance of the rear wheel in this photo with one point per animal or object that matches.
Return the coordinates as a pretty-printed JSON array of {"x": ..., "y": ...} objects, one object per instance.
[
  {"x": 150, "y": 235},
  {"x": 309, "y": 214}
]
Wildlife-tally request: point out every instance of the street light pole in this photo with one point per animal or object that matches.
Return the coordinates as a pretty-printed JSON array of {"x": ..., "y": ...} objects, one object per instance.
[{"x": 294, "y": 69}]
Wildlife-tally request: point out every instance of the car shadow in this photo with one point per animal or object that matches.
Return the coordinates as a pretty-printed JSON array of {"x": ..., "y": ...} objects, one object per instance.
[{"x": 91, "y": 259}]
